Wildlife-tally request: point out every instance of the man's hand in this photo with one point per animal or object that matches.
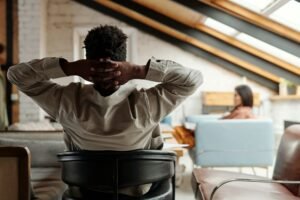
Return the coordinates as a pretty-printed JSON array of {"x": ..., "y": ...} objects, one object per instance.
[
  {"x": 91, "y": 70},
  {"x": 129, "y": 71},
  {"x": 104, "y": 72}
]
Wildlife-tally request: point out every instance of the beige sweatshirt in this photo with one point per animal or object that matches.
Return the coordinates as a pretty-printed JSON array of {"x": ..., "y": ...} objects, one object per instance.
[{"x": 126, "y": 120}]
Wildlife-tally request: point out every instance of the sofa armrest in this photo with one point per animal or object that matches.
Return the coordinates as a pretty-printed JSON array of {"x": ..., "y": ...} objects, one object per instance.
[
  {"x": 15, "y": 173},
  {"x": 250, "y": 180}
]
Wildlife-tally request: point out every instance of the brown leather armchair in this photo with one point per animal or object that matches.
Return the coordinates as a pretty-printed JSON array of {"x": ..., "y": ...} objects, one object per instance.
[{"x": 285, "y": 184}]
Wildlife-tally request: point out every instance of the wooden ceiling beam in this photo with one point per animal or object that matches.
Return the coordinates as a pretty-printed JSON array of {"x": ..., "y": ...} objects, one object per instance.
[
  {"x": 255, "y": 18},
  {"x": 195, "y": 20},
  {"x": 188, "y": 39},
  {"x": 242, "y": 25}
]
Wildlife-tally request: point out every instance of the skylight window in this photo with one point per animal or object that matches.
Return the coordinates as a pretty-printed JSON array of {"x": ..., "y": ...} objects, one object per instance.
[
  {"x": 269, "y": 48},
  {"x": 254, "y": 5},
  {"x": 288, "y": 14},
  {"x": 220, "y": 26}
]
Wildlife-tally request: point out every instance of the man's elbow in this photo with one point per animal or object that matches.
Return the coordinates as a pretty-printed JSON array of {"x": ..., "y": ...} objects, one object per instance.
[
  {"x": 192, "y": 84},
  {"x": 196, "y": 80},
  {"x": 11, "y": 75},
  {"x": 16, "y": 75}
]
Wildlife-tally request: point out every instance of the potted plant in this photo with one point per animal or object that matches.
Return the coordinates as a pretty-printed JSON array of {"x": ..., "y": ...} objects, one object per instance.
[
  {"x": 291, "y": 88},
  {"x": 287, "y": 87}
]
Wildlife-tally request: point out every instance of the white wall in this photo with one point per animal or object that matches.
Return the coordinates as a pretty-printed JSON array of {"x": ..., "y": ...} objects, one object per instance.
[
  {"x": 31, "y": 45},
  {"x": 63, "y": 16}
]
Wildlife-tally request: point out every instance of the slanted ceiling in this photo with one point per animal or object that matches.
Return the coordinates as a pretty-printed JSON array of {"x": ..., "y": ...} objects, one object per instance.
[{"x": 181, "y": 22}]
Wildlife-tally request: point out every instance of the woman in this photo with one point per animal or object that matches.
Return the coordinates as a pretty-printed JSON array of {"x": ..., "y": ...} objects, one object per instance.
[{"x": 243, "y": 103}]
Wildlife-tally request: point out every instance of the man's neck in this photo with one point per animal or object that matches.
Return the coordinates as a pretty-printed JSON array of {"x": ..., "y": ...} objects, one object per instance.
[{"x": 104, "y": 93}]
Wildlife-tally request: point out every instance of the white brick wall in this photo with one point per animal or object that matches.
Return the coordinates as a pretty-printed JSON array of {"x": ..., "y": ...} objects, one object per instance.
[
  {"x": 63, "y": 16},
  {"x": 284, "y": 110},
  {"x": 30, "y": 26}
]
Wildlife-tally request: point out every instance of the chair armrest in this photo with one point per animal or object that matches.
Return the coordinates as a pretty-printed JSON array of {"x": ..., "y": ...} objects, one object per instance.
[
  {"x": 250, "y": 180},
  {"x": 15, "y": 172}
]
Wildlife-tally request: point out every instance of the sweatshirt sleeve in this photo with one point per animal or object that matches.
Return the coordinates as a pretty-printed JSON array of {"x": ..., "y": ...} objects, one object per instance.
[
  {"x": 176, "y": 83},
  {"x": 33, "y": 79}
]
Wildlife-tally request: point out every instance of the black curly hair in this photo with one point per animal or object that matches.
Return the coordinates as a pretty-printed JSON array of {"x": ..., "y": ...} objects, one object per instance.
[{"x": 106, "y": 41}]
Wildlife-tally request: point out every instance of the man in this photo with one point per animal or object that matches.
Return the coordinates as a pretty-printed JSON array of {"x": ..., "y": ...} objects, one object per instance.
[{"x": 108, "y": 115}]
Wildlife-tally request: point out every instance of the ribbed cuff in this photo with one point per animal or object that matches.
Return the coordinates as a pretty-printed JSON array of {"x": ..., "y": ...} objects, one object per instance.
[
  {"x": 52, "y": 68},
  {"x": 157, "y": 70}
]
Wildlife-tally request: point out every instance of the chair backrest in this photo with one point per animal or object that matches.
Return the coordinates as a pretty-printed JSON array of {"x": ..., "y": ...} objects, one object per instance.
[
  {"x": 110, "y": 170},
  {"x": 287, "y": 166},
  {"x": 234, "y": 143},
  {"x": 14, "y": 173}
]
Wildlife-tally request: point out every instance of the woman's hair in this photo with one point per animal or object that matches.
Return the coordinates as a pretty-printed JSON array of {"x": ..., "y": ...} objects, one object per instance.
[
  {"x": 106, "y": 41},
  {"x": 246, "y": 95}
]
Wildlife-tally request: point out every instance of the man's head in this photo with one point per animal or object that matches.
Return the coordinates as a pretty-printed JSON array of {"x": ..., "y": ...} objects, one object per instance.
[{"x": 106, "y": 42}]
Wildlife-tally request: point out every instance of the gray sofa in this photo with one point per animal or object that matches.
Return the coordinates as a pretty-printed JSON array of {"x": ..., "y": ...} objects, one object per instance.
[{"x": 45, "y": 169}]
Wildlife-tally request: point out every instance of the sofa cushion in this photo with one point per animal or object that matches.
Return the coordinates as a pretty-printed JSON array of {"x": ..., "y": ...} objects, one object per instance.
[
  {"x": 234, "y": 143},
  {"x": 43, "y": 152},
  {"x": 208, "y": 179}
]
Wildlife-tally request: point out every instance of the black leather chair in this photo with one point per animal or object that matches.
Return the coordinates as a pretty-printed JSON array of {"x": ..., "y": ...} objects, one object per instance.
[{"x": 100, "y": 174}]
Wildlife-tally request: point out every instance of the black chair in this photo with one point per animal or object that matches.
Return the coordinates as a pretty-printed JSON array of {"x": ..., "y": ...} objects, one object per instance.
[{"x": 100, "y": 174}]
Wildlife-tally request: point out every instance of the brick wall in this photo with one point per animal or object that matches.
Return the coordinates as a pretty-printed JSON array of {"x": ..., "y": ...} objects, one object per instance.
[
  {"x": 30, "y": 39},
  {"x": 64, "y": 16}
]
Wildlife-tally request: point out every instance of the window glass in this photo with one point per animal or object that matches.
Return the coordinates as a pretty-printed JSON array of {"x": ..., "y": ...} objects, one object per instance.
[
  {"x": 220, "y": 26},
  {"x": 269, "y": 49},
  {"x": 288, "y": 14},
  {"x": 254, "y": 5}
]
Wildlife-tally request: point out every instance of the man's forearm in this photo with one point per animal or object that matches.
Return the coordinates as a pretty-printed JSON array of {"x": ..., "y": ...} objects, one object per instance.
[
  {"x": 25, "y": 75},
  {"x": 177, "y": 79},
  {"x": 65, "y": 66}
]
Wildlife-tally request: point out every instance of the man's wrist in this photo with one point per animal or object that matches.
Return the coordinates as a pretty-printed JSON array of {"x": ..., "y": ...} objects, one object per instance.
[
  {"x": 140, "y": 71},
  {"x": 65, "y": 66},
  {"x": 71, "y": 68}
]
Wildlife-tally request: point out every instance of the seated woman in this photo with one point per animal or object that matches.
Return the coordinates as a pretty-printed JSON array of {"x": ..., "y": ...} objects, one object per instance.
[{"x": 243, "y": 103}]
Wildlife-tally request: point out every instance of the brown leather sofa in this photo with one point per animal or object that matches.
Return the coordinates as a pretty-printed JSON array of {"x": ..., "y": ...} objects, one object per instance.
[{"x": 285, "y": 184}]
